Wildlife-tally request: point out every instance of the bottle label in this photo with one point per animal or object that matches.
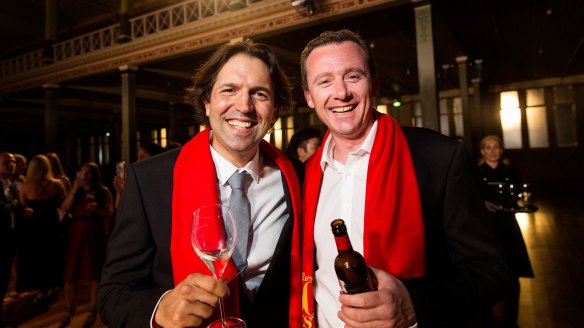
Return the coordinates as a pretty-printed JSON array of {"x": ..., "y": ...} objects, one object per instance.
[{"x": 343, "y": 243}]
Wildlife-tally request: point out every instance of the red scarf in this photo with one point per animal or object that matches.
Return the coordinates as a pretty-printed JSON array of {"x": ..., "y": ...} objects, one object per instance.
[
  {"x": 393, "y": 213},
  {"x": 194, "y": 185}
]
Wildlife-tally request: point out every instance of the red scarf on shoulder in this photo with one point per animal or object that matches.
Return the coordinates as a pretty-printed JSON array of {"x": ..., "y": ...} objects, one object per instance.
[
  {"x": 394, "y": 229},
  {"x": 195, "y": 185}
]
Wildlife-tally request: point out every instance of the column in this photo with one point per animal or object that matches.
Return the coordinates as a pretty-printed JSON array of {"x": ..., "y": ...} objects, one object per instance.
[
  {"x": 50, "y": 30},
  {"x": 172, "y": 133},
  {"x": 128, "y": 140},
  {"x": 477, "y": 100},
  {"x": 462, "y": 62},
  {"x": 51, "y": 92},
  {"x": 126, "y": 7},
  {"x": 426, "y": 69}
]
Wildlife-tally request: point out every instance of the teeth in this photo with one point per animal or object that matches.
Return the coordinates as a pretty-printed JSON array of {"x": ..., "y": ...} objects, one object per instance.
[
  {"x": 239, "y": 124},
  {"x": 342, "y": 109}
]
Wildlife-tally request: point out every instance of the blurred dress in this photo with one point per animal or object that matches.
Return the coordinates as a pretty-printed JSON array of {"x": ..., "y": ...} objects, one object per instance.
[
  {"x": 507, "y": 227},
  {"x": 85, "y": 240},
  {"x": 40, "y": 252}
]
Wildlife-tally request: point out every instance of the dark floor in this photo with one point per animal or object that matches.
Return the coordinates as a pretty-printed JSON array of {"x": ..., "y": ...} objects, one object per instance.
[{"x": 555, "y": 240}]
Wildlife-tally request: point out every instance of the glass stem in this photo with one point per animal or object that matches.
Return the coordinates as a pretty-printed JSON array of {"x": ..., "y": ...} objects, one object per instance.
[{"x": 222, "y": 311}]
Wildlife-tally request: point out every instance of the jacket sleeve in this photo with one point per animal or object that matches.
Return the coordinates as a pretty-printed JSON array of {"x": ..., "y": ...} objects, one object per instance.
[
  {"x": 465, "y": 269},
  {"x": 129, "y": 290}
]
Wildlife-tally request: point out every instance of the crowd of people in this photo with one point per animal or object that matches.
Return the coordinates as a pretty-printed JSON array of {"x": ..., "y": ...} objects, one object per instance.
[
  {"x": 437, "y": 242},
  {"x": 54, "y": 230}
]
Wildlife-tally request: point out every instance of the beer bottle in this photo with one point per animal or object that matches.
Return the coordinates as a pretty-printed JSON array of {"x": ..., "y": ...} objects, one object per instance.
[{"x": 352, "y": 271}]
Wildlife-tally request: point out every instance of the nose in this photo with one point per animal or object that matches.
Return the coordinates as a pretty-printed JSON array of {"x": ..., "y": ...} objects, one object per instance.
[
  {"x": 341, "y": 90},
  {"x": 244, "y": 103}
]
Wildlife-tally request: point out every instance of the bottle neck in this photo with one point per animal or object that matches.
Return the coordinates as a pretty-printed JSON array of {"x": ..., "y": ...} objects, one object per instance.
[{"x": 343, "y": 243}]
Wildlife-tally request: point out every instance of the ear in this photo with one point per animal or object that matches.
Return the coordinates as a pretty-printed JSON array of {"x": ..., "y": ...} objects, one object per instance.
[
  {"x": 308, "y": 98},
  {"x": 207, "y": 107},
  {"x": 374, "y": 86}
]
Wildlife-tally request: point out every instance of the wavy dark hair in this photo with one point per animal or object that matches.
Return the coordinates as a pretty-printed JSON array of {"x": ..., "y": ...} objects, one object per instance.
[
  {"x": 335, "y": 37},
  {"x": 206, "y": 76}
]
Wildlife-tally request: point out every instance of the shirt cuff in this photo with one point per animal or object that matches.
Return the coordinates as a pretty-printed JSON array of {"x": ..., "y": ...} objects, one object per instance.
[{"x": 153, "y": 323}]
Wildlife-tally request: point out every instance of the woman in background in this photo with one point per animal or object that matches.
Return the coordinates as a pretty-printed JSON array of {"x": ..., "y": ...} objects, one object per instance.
[
  {"x": 90, "y": 205},
  {"x": 496, "y": 181},
  {"x": 40, "y": 247},
  {"x": 58, "y": 172}
]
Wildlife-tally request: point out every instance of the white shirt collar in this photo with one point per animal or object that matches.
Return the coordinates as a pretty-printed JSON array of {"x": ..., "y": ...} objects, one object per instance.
[
  {"x": 225, "y": 168},
  {"x": 329, "y": 147}
]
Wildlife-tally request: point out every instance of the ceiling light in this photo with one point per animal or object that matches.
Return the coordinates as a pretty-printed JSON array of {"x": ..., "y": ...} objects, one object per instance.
[{"x": 304, "y": 7}]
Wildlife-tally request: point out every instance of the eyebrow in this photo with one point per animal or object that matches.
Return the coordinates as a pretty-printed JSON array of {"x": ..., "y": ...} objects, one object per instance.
[{"x": 345, "y": 72}]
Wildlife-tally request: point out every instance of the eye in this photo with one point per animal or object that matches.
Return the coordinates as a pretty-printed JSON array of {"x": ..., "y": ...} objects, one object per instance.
[
  {"x": 261, "y": 95},
  {"x": 324, "y": 82},
  {"x": 227, "y": 91},
  {"x": 354, "y": 77}
]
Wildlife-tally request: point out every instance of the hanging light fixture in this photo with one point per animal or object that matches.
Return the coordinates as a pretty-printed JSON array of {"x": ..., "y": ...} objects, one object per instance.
[{"x": 304, "y": 7}]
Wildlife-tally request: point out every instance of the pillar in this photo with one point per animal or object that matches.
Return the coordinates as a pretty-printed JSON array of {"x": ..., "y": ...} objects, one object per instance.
[
  {"x": 477, "y": 104},
  {"x": 462, "y": 62},
  {"x": 51, "y": 92},
  {"x": 126, "y": 8},
  {"x": 128, "y": 137},
  {"x": 426, "y": 69},
  {"x": 50, "y": 30},
  {"x": 172, "y": 134}
]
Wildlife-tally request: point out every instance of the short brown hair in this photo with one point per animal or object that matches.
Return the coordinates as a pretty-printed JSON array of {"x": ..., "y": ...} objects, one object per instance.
[
  {"x": 332, "y": 37},
  {"x": 206, "y": 76}
]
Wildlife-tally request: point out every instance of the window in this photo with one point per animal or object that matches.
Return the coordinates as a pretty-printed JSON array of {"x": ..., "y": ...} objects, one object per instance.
[
  {"x": 451, "y": 123},
  {"x": 417, "y": 120},
  {"x": 560, "y": 109},
  {"x": 537, "y": 126},
  {"x": 565, "y": 117},
  {"x": 511, "y": 120}
]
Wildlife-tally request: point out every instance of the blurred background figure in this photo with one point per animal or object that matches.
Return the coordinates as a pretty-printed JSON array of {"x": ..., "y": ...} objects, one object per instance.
[
  {"x": 148, "y": 149},
  {"x": 10, "y": 218},
  {"x": 303, "y": 144},
  {"x": 39, "y": 259},
  {"x": 91, "y": 206},
  {"x": 145, "y": 151},
  {"x": 58, "y": 172},
  {"x": 19, "y": 175},
  {"x": 499, "y": 183}
]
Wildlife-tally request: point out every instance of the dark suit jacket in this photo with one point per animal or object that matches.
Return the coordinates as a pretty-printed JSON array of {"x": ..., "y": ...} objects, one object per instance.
[
  {"x": 465, "y": 270},
  {"x": 138, "y": 267}
]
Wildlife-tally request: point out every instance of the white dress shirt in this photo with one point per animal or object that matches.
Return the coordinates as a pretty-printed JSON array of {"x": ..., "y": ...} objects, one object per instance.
[
  {"x": 269, "y": 211},
  {"x": 342, "y": 195}
]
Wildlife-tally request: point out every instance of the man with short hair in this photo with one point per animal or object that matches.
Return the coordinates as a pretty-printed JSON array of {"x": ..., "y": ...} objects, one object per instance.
[{"x": 408, "y": 199}]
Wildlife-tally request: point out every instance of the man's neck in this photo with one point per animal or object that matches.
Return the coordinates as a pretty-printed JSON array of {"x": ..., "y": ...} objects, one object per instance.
[{"x": 345, "y": 146}]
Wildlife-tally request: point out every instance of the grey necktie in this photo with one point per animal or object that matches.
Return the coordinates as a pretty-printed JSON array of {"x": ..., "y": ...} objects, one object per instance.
[{"x": 240, "y": 208}]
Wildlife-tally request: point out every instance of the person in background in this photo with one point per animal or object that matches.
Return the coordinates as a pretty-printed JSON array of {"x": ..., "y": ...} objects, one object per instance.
[
  {"x": 40, "y": 246},
  {"x": 10, "y": 219},
  {"x": 58, "y": 171},
  {"x": 145, "y": 150},
  {"x": 302, "y": 145},
  {"x": 408, "y": 198},
  {"x": 90, "y": 204},
  {"x": 148, "y": 149},
  {"x": 152, "y": 276},
  {"x": 21, "y": 166},
  {"x": 499, "y": 183}
]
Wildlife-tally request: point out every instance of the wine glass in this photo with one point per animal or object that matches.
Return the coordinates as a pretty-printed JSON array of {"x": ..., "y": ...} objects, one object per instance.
[{"x": 213, "y": 236}]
